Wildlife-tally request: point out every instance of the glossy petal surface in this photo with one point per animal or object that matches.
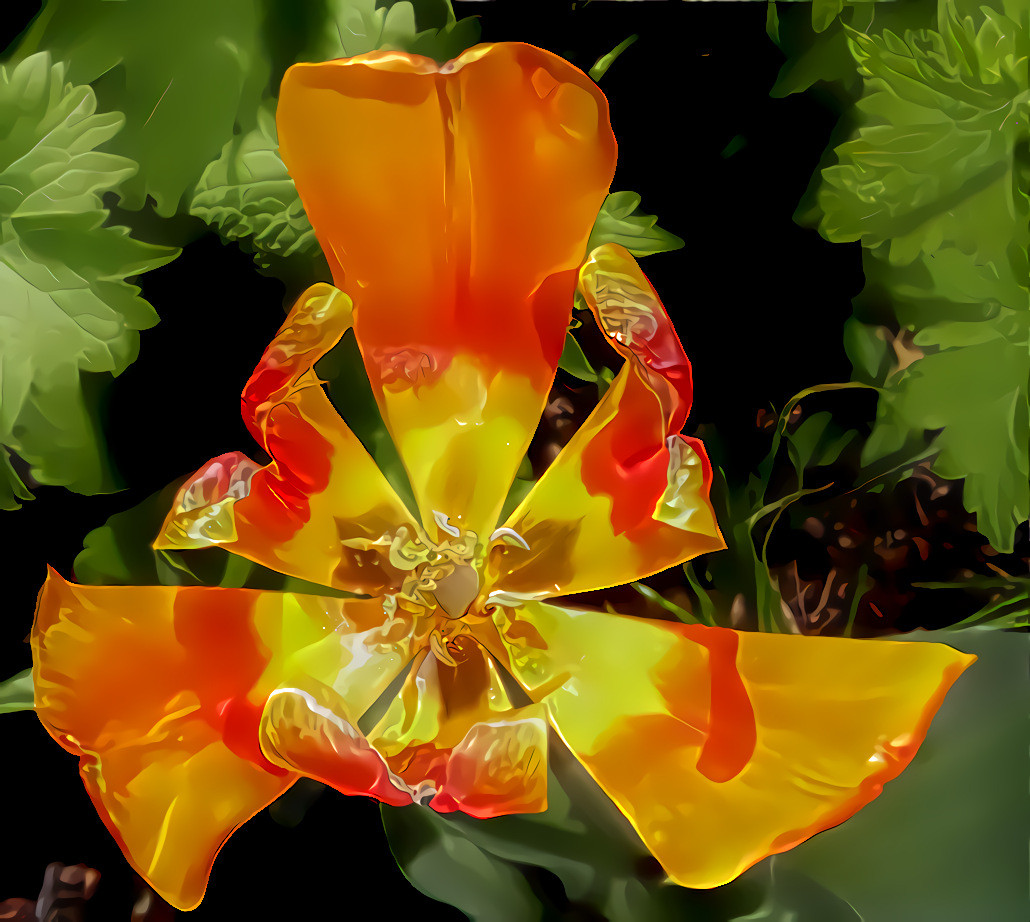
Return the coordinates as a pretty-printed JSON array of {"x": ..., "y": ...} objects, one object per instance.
[
  {"x": 317, "y": 511},
  {"x": 628, "y": 496},
  {"x": 724, "y": 747},
  {"x": 160, "y": 690},
  {"x": 454, "y": 204},
  {"x": 453, "y": 734}
]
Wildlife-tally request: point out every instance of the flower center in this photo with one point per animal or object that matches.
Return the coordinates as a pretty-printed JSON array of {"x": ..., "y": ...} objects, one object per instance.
[
  {"x": 441, "y": 575},
  {"x": 442, "y": 582}
]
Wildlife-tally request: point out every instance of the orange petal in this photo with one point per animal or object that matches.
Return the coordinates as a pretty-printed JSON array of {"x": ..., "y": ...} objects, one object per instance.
[
  {"x": 453, "y": 735},
  {"x": 454, "y": 204},
  {"x": 724, "y": 747},
  {"x": 317, "y": 510},
  {"x": 628, "y": 496},
  {"x": 159, "y": 691}
]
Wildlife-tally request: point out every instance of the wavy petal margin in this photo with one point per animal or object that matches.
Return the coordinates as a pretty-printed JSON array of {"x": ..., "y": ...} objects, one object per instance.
[
  {"x": 161, "y": 692},
  {"x": 723, "y": 747},
  {"x": 454, "y": 204},
  {"x": 322, "y": 510},
  {"x": 628, "y": 496}
]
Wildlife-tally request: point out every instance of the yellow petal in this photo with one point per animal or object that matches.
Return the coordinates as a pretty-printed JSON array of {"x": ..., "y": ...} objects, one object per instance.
[
  {"x": 160, "y": 690},
  {"x": 628, "y": 496},
  {"x": 724, "y": 747},
  {"x": 317, "y": 510},
  {"x": 454, "y": 204}
]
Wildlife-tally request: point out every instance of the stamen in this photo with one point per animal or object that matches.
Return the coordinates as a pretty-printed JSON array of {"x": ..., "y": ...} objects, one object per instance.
[
  {"x": 509, "y": 533},
  {"x": 442, "y": 521},
  {"x": 439, "y": 647}
]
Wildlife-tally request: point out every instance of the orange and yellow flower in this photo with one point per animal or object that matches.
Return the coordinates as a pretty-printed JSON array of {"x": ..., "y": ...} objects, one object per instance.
[{"x": 454, "y": 205}]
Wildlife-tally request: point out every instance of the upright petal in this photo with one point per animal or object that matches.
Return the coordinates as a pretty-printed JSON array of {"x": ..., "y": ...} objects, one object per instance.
[
  {"x": 160, "y": 690},
  {"x": 723, "y": 747},
  {"x": 322, "y": 510},
  {"x": 628, "y": 496},
  {"x": 454, "y": 204}
]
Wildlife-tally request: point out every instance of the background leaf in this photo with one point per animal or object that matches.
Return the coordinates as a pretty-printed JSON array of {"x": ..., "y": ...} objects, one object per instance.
[
  {"x": 427, "y": 27},
  {"x": 891, "y": 860},
  {"x": 65, "y": 305},
  {"x": 931, "y": 182},
  {"x": 247, "y": 196},
  {"x": 182, "y": 73}
]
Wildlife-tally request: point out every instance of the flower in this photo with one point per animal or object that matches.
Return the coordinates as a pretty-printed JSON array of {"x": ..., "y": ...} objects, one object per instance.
[{"x": 454, "y": 205}]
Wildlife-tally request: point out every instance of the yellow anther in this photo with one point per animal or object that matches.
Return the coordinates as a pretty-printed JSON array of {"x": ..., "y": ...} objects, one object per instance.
[{"x": 439, "y": 647}]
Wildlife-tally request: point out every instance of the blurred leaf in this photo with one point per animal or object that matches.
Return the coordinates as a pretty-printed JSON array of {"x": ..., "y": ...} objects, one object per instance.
[
  {"x": 947, "y": 839},
  {"x": 685, "y": 616},
  {"x": 426, "y": 27},
  {"x": 621, "y": 221},
  {"x": 247, "y": 196},
  {"x": 184, "y": 73},
  {"x": 824, "y": 12},
  {"x": 66, "y": 305},
  {"x": 16, "y": 693},
  {"x": 445, "y": 866}
]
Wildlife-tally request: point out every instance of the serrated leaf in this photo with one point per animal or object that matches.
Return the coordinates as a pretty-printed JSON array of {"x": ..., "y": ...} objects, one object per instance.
[
  {"x": 621, "y": 221},
  {"x": 973, "y": 388},
  {"x": 938, "y": 117},
  {"x": 182, "y": 72},
  {"x": 248, "y": 196},
  {"x": 67, "y": 314},
  {"x": 16, "y": 693},
  {"x": 426, "y": 27}
]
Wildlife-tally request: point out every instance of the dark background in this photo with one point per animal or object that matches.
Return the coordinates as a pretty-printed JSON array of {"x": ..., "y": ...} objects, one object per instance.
[{"x": 759, "y": 303}]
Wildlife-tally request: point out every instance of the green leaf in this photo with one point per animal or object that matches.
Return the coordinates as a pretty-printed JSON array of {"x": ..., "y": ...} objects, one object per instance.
[
  {"x": 817, "y": 441},
  {"x": 932, "y": 156},
  {"x": 247, "y": 196},
  {"x": 974, "y": 388},
  {"x": 426, "y": 27},
  {"x": 824, "y": 12},
  {"x": 621, "y": 221},
  {"x": 602, "y": 64},
  {"x": 447, "y": 867},
  {"x": 67, "y": 308},
  {"x": 946, "y": 840},
  {"x": 574, "y": 361},
  {"x": 16, "y": 693},
  {"x": 581, "y": 840},
  {"x": 183, "y": 73}
]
